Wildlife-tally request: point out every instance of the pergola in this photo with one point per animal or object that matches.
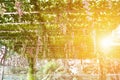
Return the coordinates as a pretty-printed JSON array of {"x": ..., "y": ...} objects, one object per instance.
[{"x": 54, "y": 33}]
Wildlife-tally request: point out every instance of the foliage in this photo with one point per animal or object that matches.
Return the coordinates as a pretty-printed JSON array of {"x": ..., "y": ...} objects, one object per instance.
[
  {"x": 18, "y": 70},
  {"x": 64, "y": 25},
  {"x": 48, "y": 71}
]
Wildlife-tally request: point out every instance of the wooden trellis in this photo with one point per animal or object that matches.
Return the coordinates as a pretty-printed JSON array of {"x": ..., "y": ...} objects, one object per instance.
[{"x": 41, "y": 43}]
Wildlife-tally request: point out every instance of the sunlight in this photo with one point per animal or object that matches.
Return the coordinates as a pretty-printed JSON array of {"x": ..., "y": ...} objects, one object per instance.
[{"x": 106, "y": 43}]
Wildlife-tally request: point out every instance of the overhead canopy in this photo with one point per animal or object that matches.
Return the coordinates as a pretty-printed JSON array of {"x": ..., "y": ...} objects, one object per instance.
[{"x": 58, "y": 29}]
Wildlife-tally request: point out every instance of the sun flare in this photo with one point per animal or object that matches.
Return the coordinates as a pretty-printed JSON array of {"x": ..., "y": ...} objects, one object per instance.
[{"x": 106, "y": 43}]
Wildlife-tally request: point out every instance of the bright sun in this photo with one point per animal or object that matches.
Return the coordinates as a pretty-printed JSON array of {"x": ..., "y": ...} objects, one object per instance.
[{"x": 106, "y": 43}]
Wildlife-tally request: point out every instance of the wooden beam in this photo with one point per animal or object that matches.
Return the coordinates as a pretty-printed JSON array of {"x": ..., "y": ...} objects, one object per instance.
[{"x": 9, "y": 13}]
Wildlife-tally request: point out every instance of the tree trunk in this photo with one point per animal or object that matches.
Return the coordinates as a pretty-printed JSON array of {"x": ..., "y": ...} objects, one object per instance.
[
  {"x": 31, "y": 70},
  {"x": 2, "y": 72},
  {"x": 3, "y": 61},
  {"x": 102, "y": 64}
]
